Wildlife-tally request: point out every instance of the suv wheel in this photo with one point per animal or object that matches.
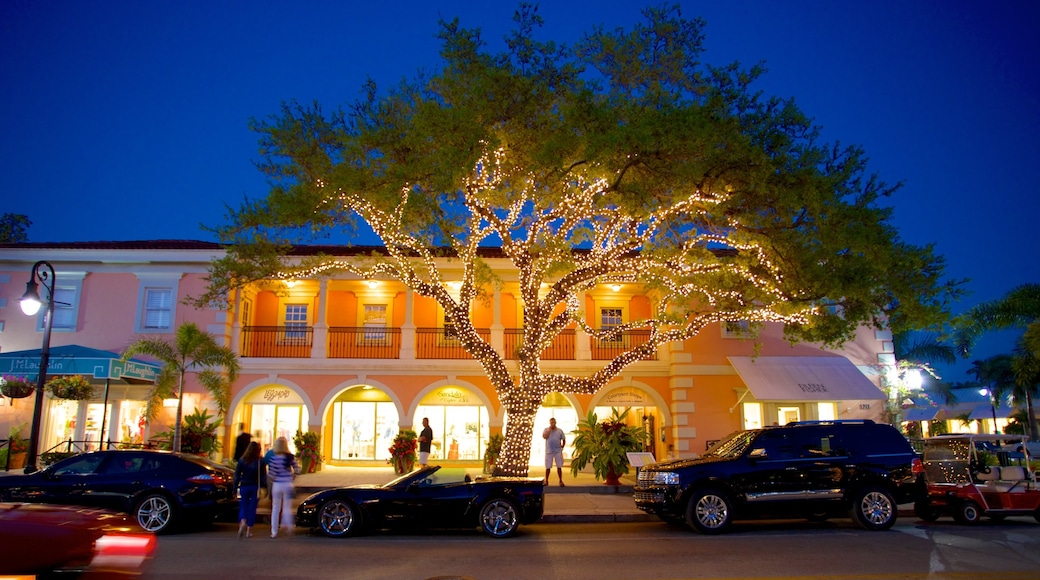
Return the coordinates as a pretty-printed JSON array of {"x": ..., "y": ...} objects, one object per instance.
[
  {"x": 709, "y": 511},
  {"x": 873, "y": 508}
]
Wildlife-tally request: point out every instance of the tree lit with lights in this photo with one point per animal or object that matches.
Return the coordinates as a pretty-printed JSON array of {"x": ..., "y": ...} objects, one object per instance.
[{"x": 622, "y": 158}]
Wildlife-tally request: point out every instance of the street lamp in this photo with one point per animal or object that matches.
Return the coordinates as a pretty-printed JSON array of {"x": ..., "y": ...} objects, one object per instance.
[
  {"x": 31, "y": 305},
  {"x": 993, "y": 407}
]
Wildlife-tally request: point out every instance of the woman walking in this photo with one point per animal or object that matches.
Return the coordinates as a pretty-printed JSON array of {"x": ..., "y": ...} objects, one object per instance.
[
  {"x": 281, "y": 469},
  {"x": 250, "y": 477}
]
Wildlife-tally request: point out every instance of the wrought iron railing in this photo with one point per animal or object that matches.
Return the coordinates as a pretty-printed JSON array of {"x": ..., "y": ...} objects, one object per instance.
[
  {"x": 442, "y": 343},
  {"x": 364, "y": 342},
  {"x": 562, "y": 347},
  {"x": 277, "y": 341},
  {"x": 623, "y": 342}
]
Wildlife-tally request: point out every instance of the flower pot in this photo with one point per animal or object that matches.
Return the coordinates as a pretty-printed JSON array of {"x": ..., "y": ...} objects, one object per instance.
[
  {"x": 403, "y": 465},
  {"x": 16, "y": 390},
  {"x": 612, "y": 478},
  {"x": 17, "y": 460}
]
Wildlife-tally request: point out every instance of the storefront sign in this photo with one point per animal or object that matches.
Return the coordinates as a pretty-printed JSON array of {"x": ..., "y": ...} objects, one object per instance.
[
  {"x": 449, "y": 396},
  {"x": 274, "y": 395},
  {"x": 625, "y": 396}
]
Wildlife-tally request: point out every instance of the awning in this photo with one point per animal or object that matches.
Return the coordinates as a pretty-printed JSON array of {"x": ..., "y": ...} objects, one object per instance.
[
  {"x": 78, "y": 360},
  {"x": 921, "y": 413},
  {"x": 985, "y": 411},
  {"x": 804, "y": 378}
]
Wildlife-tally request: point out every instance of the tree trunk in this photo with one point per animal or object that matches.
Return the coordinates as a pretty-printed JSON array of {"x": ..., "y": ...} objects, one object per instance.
[
  {"x": 1032, "y": 417},
  {"x": 515, "y": 459}
]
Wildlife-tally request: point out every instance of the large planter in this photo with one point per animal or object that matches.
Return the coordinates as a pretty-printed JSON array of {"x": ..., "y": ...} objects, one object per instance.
[
  {"x": 403, "y": 465},
  {"x": 308, "y": 465},
  {"x": 612, "y": 478}
]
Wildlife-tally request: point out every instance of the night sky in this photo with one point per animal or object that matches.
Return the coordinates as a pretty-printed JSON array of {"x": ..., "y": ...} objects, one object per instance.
[{"x": 127, "y": 120}]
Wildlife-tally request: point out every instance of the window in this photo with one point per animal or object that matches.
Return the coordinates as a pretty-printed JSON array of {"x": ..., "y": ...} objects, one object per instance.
[
  {"x": 295, "y": 322},
  {"x": 449, "y": 329},
  {"x": 158, "y": 309},
  {"x": 611, "y": 318},
  {"x": 247, "y": 312},
  {"x": 66, "y": 302},
  {"x": 375, "y": 322},
  {"x": 737, "y": 329},
  {"x": 156, "y": 303}
]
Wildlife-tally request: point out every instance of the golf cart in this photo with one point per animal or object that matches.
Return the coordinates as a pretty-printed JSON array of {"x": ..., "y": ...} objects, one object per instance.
[{"x": 969, "y": 476}]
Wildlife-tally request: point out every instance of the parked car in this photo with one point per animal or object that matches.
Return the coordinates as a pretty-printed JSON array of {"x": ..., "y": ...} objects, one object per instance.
[
  {"x": 160, "y": 489},
  {"x": 814, "y": 470},
  {"x": 44, "y": 538},
  {"x": 428, "y": 498},
  {"x": 970, "y": 476}
]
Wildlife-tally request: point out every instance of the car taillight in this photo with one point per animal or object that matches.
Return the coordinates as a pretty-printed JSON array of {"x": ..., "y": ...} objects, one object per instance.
[
  {"x": 122, "y": 551},
  {"x": 209, "y": 478},
  {"x": 916, "y": 466}
]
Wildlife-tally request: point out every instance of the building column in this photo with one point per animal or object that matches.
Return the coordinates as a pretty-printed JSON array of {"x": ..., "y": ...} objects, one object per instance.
[
  {"x": 497, "y": 330},
  {"x": 408, "y": 328},
  {"x": 582, "y": 345},
  {"x": 320, "y": 346}
]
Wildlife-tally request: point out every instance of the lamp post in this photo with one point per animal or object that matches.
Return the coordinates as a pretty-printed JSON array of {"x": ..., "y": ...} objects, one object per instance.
[
  {"x": 993, "y": 408},
  {"x": 31, "y": 302}
]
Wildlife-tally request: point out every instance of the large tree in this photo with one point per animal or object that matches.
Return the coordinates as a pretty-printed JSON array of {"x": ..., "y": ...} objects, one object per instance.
[
  {"x": 623, "y": 157},
  {"x": 13, "y": 228},
  {"x": 191, "y": 350}
]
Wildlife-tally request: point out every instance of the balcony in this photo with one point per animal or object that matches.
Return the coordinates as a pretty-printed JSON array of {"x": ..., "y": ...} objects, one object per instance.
[
  {"x": 562, "y": 347},
  {"x": 277, "y": 341},
  {"x": 361, "y": 342},
  {"x": 430, "y": 343}
]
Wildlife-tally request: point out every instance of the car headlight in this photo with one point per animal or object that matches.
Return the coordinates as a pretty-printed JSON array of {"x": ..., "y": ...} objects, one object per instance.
[{"x": 666, "y": 478}]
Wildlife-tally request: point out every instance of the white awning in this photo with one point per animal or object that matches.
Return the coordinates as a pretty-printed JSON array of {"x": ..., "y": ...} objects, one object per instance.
[{"x": 804, "y": 378}]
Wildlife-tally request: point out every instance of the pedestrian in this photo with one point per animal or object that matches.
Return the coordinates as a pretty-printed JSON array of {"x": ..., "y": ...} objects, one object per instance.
[
  {"x": 242, "y": 441},
  {"x": 250, "y": 478},
  {"x": 554, "y": 442},
  {"x": 281, "y": 470},
  {"x": 425, "y": 438}
]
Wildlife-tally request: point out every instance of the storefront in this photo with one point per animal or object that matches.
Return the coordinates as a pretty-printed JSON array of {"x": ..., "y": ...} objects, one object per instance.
[
  {"x": 363, "y": 425},
  {"x": 274, "y": 411},
  {"x": 459, "y": 421},
  {"x": 642, "y": 412}
]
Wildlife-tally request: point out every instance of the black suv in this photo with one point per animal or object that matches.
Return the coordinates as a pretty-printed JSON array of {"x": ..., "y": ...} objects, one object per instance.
[{"x": 805, "y": 469}]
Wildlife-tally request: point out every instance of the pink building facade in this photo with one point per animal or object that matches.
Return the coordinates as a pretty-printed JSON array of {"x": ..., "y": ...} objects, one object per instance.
[{"x": 357, "y": 360}]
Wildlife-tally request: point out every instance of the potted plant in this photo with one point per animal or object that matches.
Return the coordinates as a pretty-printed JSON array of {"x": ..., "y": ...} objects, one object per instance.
[
  {"x": 402, "y": 452},
  {"x": 308, "y": 450},
  {"x": 198, "y": 434},
  {"x": 72, "y": 387},
  {"x": 15, "y": 387},
  {"x": 605, "y": 445},
  {"x": 17, "y": 448},
  {"x": 492, "y": 451}
]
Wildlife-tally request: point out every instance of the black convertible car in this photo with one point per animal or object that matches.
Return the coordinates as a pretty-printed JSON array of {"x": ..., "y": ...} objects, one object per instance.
[{"x": 428, "y": 498}]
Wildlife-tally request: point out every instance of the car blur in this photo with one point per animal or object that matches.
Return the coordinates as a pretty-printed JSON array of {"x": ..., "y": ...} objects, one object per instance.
[{"x": 45, "y": 538}]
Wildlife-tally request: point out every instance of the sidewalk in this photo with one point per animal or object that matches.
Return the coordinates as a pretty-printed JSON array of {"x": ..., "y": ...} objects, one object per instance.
[{"x": 582, "y": 499}]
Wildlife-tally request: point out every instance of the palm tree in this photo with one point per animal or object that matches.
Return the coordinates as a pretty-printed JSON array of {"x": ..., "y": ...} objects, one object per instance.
[
  {"x": 1026, "y": 367},
  {"x": 191, "y": 350},
  {"x": 997, "y": 375}
]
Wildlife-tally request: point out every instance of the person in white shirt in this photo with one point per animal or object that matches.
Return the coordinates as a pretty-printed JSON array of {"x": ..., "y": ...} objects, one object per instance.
[{"x": 554, "y": 442}]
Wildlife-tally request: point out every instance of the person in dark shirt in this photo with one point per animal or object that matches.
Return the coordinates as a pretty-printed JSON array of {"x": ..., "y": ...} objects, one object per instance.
[
  {"x": 425, "y": 438},
  {"x": 242, "y": 441},
  {"x": 250, "y": 477}
]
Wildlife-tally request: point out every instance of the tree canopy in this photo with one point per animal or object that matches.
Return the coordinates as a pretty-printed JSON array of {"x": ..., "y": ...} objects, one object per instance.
[
  {"x": 622, "y": 157},
  {"x": 13, "y": 228}
]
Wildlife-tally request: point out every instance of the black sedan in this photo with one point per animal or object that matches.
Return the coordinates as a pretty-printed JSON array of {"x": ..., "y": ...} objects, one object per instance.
[
  {"x": 428, "y": 498},
  {"x": 159, "y": 489}
]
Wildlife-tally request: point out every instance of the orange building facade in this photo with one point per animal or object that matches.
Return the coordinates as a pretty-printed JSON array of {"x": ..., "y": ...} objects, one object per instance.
[{"x": 358, "y": 360}]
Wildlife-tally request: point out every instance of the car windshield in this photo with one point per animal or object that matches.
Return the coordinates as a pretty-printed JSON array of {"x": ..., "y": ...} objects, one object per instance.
[{"x": 734, "y": 445}]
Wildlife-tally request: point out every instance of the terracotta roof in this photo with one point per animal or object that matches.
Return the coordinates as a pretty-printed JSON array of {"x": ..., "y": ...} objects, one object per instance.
[{"x": 120, "y": 245}]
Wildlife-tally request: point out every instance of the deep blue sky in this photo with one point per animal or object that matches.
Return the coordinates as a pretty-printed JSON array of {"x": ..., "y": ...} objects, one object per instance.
[{"x": 127, "y": 120}]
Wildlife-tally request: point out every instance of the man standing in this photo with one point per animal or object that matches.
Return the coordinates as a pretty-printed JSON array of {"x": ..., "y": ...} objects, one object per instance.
[
  {"x": 242, "y": 441},
  {"x": 425, "y": 438},
  {"x": 554, "y": 442}
]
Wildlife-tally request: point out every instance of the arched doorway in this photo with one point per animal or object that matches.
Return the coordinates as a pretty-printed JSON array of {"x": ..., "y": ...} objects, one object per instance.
[
  {"x": 642, "y": 412},
  {"x": 554, "y": 406},
  {"x": 364, "y": 423},
  {"x": 459, "y": 421},
  {"x": 274, "y": 411}
]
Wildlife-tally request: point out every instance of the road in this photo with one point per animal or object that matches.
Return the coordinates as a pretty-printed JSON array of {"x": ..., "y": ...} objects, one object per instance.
[{"x": 834, "y": 549}]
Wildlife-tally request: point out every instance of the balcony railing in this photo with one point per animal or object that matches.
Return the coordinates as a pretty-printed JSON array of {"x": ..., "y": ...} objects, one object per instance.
[
  {"x": 627, "y": 340},
  {"x": 430, "y": 343},
  {"x": 442, "y": 343},
  {"x": 362, "y": 342},
  {"x": 277, "y": 341},
  {"x": 562, "y": 347}
]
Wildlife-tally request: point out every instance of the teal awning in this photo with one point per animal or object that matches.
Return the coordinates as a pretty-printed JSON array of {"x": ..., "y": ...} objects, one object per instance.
[{"x": 78, "y": 360}]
